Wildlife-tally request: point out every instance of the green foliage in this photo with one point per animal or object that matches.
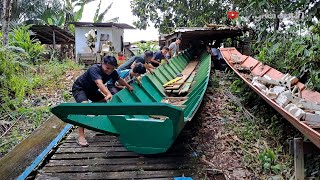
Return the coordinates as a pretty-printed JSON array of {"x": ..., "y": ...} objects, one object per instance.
[
  {"x": 98, "y": 18},
  {"x": 289, "y": 53},
  {"x": 149, "y": 45},
  {"x": 176, "y": 13},
  {"x": 268, "y": 161},
  {"x": 264, "y": 136},
  {"x": 20, "y": 37}
]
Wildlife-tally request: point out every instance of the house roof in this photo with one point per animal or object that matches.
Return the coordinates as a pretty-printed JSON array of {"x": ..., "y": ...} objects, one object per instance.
[
  {"x": 47, "y": 33},
  {"x": 220, "y": 32},
  {"x": 109, "y": 24}
]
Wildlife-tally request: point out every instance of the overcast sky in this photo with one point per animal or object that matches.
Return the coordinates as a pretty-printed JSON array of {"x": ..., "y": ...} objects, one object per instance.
[{"x": 121, "y": 9}]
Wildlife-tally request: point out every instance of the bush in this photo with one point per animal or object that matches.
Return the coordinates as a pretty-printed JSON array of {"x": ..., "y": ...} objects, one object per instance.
[{"x": 20, "y": 37}]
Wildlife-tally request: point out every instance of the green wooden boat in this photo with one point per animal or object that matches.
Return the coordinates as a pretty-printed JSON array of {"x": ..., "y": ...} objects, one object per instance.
[{"x": 130, "y": 115}]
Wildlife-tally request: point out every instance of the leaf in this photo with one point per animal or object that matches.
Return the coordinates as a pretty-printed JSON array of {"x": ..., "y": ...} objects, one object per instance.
[{"x": 101, "y": 16}]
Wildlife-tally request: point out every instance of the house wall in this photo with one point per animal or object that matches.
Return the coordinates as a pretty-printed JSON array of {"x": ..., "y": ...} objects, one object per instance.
[{"x": 81, "y": 41}]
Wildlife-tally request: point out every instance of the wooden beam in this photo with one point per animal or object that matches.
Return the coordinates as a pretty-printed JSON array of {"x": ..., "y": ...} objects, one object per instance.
[
  {"x": 54, "y": 38},
  {"x": 298, "y": 159},
  {"x": 50, "y": 40},
  {"x": 69, "y": 39}
]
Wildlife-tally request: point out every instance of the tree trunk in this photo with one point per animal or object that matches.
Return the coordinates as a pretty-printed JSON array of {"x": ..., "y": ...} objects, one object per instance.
[{"x": 6, "y": 14}]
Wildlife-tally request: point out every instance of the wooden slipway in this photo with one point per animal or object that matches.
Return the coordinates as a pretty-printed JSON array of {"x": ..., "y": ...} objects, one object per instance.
[{"x": 106, "y": 158}]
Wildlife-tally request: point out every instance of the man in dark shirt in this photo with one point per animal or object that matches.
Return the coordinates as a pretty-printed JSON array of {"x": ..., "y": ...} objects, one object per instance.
[
  {"x": 87, "y": 87},
  {"x": 158, "y": 56},
  {"x": 135, "y": 59}
]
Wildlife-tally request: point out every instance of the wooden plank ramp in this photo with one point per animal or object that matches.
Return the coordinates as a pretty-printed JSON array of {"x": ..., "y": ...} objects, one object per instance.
[{"x": 106, "y": 158}]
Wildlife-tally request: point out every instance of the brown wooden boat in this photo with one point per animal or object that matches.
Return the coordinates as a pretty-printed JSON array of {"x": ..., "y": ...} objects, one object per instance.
[{"x": 250, "y": 70}]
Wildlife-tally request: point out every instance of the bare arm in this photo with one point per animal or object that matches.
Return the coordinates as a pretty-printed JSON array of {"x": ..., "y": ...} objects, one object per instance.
[
  {"x": 124, "y": 83},
  {"x": 155, "y": 61},
  {"x": 103, "y": 89},
  {"x": 149, "y": 67}
]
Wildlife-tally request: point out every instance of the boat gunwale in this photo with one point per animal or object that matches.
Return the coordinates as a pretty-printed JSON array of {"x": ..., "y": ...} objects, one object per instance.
[{"x": 309, "y": 132}]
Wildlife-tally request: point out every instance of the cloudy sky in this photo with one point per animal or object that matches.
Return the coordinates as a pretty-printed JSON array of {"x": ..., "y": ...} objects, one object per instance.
[{"x": 121, "y": 9}]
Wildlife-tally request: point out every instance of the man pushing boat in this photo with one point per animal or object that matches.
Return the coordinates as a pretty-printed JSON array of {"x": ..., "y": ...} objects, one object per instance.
[{"x": 87, "y": 87}]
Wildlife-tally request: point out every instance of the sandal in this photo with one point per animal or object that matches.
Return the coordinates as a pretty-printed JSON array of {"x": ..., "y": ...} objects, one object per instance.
[{"x": 82, "y": 143}]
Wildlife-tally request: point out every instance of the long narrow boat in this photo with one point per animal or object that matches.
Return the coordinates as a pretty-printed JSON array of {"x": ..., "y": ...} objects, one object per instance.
[
  {"x": 304, "y": 116},
  {"x": 132, "y": 115}
]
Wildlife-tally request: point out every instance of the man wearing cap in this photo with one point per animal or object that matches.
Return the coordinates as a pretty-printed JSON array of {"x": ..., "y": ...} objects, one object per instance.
[
  {"x": 174, "y": 48},
  {"x": 90, "y": 86}
]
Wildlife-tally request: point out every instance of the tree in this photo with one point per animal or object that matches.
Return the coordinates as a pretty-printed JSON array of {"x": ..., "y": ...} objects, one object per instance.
[
  {"x": 6, "y": 14},
  {"x": 179, "y": 13},
  {"x": 260, "y": 8},
  {"x": 98, "y": 18}
]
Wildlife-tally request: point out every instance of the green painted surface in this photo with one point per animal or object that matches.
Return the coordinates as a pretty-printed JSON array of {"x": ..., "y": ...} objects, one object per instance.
[{"x": 128, "y": 113}]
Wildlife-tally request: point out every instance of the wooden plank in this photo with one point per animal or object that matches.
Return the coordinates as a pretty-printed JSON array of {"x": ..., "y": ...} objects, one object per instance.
[
  {"x": 52, "y": 177},
  {"x": 97, "y": 139},
  {"x": 298, "y": 159},
  {"x": 111, "y": 154},
  {"x": 90, "y": 149},
  {"x": 185, "y": 88},
  {"x": 116, "y": 161},
  {"x": 93, "y": 144},
  {"x": 113, "y": 168},
  {"x": 17, "y": 160},
  {"x": 118, "y": 175},
  {"x": 186, "y": 73}
]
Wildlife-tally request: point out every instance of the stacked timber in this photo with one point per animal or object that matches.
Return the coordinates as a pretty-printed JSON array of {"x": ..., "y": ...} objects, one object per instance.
[{"x": 182, "y": 83}]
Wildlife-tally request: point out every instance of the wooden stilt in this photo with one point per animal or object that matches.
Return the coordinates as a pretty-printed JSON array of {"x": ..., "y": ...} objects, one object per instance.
[{"x": 298, "y": 159}]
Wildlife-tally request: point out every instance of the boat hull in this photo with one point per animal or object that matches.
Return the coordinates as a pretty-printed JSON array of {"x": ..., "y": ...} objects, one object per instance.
[{"x": 129, "y": 114}]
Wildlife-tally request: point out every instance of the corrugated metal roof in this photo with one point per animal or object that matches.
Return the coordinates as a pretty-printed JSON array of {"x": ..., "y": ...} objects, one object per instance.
[{"x": 109, "y": 24}]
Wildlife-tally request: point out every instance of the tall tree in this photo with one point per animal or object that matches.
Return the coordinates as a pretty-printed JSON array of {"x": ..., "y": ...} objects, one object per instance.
[
  {"x": 99, "y": 17},
  {"x": 257, "y": 11},
  {"x": 6, "y": 14},
  {"x": 168, "y": 14}
]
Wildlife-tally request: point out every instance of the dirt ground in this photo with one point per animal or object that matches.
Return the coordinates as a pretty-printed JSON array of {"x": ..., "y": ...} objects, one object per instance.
[{"x": 213, "y": 144}]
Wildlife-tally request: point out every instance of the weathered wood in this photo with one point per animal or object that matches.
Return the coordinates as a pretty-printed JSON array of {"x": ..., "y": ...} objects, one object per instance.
[
  {"x": 186, "y": 73},
  {"x": 90, "y": 149},
  {"x": 298, "y": 159},
  {"x": 93, "y": 144},
  {"x": 93, "y": 139},
  {"x": 52, "y": 177},
  {"x": 185, "y": 88},
  {"x": 119, "y": 175},
  {"x": 115, "y": 161},
  {"x": 308, "y": 148},
  {"x": 111, "y": 168},
  {"x": 17, "y": 160}
]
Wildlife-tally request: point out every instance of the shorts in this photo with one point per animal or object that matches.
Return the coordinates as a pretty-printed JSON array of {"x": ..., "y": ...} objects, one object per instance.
[
  {"x": 81, "y": 95},
  {"x": 113, "y": 89}
]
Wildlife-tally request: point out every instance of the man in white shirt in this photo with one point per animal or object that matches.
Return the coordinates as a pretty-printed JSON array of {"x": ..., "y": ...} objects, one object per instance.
[{"x": 174, "y": 48}]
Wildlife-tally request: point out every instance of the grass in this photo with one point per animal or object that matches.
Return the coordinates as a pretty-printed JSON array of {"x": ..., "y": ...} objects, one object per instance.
[
  {"x": 27, "y": 98},
  {"x": 262, "y": 139}
]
